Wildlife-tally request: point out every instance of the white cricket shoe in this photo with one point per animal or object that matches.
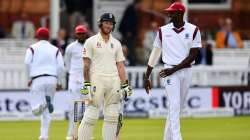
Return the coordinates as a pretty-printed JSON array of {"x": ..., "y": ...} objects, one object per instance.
[
  {"x": 43, "y": 138},
  {"x": 69, "y": 138},
  {"x": 39, "y": 109}
]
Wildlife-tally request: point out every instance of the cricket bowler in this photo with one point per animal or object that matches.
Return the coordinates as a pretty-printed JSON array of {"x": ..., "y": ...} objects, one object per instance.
[
  {"x": 45, "y": 66},
  {"x": 179, "y": 43}
]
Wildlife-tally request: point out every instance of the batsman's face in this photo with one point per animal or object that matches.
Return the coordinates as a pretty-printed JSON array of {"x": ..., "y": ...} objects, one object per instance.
[{"x": 107, "y": 27}]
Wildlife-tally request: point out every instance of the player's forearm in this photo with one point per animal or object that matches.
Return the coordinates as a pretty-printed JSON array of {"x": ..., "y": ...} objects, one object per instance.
[
  {"x": 86, "y": 74},
  {"x": 188, "y": 60},
  {"x": 148, "y": 72},
  {"x": 122, "y": 72},
  {"x": 86, "y": 69}
]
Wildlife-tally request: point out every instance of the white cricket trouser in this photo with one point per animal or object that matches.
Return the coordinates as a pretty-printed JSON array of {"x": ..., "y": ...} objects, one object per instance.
[
  {"x": 75, "y": 84},
  {"x": 41, "y": 87},
  {"x": 105, "y": 94},
  {"x": 176, "y": 86}
]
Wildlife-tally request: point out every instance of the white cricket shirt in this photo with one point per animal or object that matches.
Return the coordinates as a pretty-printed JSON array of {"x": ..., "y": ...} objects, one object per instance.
[
  {"x": 176, "y": 43},
  {"x": 74, "y": 58},
  {"x": 103, "y": 55},
  {"x": 43, "y": 58}
]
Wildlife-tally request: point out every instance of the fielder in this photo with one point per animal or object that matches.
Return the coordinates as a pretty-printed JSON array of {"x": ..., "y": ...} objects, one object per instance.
[
  {"x": 179, "y": 43},
  {"x": 74, "y": 66},
  {"x": 44, "y": 64},
  {"x": 105, "y": 75}
]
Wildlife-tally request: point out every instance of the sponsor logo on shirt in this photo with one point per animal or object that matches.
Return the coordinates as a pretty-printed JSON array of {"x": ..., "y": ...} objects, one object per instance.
[
  {"x": 98, "y": 45},
  {"x": 84, "y": 51},
  {"x": 186, "y": 36},
  {"x": 169, "y": 82}
]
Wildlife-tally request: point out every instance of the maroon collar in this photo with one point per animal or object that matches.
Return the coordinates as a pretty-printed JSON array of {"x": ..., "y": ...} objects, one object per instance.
[{"x": 178, "y": 30}]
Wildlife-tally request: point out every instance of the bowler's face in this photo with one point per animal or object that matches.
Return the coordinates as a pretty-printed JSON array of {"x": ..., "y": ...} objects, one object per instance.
[
  {"x": 107, "y": 27},
  {"x": 175, "y": 16},
  {"x": 172, "y": 15},
  {"x": 81, "y": 37}
]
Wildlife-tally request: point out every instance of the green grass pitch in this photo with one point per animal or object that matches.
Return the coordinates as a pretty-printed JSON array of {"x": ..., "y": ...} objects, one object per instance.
[{"x": 235, "y": 128}]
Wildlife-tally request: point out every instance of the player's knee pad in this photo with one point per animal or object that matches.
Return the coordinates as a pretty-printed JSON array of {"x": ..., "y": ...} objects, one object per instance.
[
  {"x": 91, "y": 115},
  {"x": 111, "y": 113}
]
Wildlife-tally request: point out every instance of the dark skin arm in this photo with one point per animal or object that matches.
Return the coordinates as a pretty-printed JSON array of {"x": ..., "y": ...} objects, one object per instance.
[
  {"x": 194, "y": 52},
  {"x": 147, "y": 83}
]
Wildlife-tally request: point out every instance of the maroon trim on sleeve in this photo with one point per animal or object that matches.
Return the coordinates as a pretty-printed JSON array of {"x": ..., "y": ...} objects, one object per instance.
[
  {"x": 195, "y": 32},
  {"x": 57, "y": 52},
  {"x": 160, "y": 34},
  {"x": 33, "y": 52}
]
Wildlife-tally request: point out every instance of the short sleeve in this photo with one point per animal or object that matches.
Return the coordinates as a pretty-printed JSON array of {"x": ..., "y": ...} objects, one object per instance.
[
  {"x": 87, "y": 49},
  {"x": 157, "y": 42},
  {"x": 119, "y": 55},
  {"x": 196, "y": 39},
  {"x": 28, "y": 56}
]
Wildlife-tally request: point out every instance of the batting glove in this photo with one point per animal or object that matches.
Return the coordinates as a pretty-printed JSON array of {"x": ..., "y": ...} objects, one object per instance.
[
  {"x": 85, "y": 90},
  {"x": 127, "y": 89}
]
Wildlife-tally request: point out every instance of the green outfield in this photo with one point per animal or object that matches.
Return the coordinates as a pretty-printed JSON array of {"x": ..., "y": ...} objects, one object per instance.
[{"x": 237, "y": 128}]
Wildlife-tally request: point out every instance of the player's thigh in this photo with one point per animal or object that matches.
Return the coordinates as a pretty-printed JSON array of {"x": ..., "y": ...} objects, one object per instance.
[
  {"x": 74, "y": 91},
  {"x": 74, "y": 95},
  {"x": 37, "y": 91},
  {"x": 50, "y": 89},
  {"x": 112, "y": 100},
  {"x": 98, "y": 90},
  {"x": 112, "y": 95},
  {"x": 185, "y": 84},
  {"x": 172, "y": 87}
]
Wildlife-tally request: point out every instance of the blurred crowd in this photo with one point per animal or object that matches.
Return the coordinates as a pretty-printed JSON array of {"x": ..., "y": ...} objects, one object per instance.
[{"x": 72, "y": 14}]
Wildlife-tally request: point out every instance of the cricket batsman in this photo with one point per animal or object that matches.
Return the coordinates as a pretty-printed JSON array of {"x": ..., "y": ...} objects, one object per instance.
[
  {"x": 179, "y": 43},
  {"x": 45, "y": 65},
  {"x": 74, "y": 66},
  {"x": 104, "y": 75}
]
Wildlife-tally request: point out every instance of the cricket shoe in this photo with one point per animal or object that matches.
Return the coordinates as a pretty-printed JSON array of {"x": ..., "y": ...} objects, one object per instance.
[
  {"x": 43, "y": 138},
  {"x": 39, "y": 109},
  {"x": 69, "y": 138},
  {"x": 49, "y": 104}
]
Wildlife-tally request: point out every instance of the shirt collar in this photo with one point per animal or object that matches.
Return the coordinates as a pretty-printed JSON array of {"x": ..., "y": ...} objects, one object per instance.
[
  {"x": 43, "y": 41},
  {"x": 178, "y": 30},
  {"x": 79, "y": 42},
  {"x": 101, "y": 38}
]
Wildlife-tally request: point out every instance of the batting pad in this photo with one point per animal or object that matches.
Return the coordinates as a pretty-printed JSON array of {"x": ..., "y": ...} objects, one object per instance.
[
  {"x": 111, "y": 113},
  {"x": 91, "y": 114}
]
